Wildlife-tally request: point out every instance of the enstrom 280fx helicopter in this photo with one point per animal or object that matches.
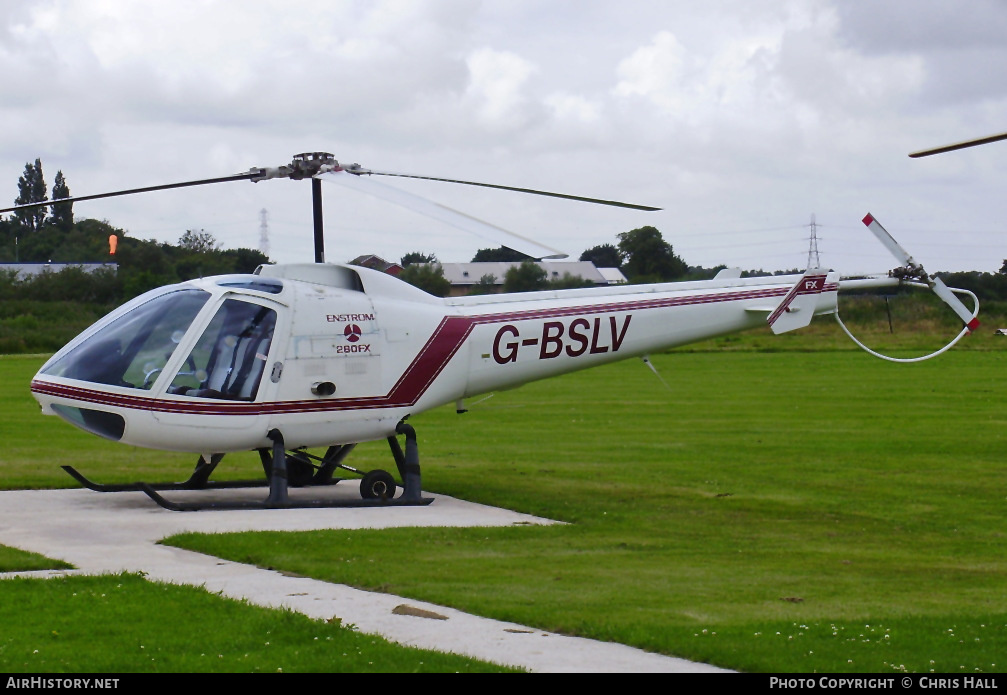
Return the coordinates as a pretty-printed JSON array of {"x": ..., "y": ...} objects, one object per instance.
[{"x": 329, "y": 355}]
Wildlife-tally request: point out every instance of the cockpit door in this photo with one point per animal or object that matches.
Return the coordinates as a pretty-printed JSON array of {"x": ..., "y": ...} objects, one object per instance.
[{"x": 224, "y": 375}]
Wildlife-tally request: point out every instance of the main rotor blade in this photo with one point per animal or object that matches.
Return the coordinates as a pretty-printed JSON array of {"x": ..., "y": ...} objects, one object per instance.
[
  {"x": 960, "y": 145},
  {"x": 57, "y": 201},
  {"x": 443, "y": 213},
  {"x": 533, "y": 191}
]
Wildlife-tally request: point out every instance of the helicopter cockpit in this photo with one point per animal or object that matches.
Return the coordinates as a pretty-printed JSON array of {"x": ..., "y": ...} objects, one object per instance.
[
  {"x": 229, "y": 357},
  {"x": 133, "y": 349}
]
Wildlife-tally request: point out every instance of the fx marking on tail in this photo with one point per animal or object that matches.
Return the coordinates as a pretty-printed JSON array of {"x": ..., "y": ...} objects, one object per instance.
[{"x": 798, "y": 306}]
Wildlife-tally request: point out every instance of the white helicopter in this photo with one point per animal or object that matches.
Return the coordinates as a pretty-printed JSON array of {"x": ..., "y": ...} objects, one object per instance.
[{"x": 312, "y": 355}]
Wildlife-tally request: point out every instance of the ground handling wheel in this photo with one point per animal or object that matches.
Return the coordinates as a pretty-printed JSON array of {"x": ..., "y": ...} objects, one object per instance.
[{"x": 377, "y": 484}]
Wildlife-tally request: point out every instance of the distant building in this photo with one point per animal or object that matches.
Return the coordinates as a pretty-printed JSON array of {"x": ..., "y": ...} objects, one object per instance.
[
  {"x": 613, "y": 276},
  {"x": 463, "y": 276},
  {"x": 377, "y": 263},
  {"x": 28, "y": 270}
]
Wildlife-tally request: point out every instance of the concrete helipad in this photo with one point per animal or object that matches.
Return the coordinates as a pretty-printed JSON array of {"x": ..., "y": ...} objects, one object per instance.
[{"x": 118, "y": 532}]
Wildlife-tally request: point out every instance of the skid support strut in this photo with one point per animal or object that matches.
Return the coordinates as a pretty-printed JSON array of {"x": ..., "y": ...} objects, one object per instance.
[
  {"x": 408, "y": 463},
  {"x": 278, "y": 472},
  {"x": 277, "y": 468}
]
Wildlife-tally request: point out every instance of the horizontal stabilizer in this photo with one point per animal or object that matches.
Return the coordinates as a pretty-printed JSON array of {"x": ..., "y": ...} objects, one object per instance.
[{"x": 798, "y": 307}]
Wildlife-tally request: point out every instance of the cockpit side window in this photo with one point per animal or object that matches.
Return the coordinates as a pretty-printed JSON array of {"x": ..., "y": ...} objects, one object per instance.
[
  {"x": 132, "y": 350},
  {"x": 228, "y": 360}
]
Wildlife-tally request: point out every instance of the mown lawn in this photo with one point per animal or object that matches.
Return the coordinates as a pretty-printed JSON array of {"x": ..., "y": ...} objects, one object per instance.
[
  {"x": 779, "y": 512},
  {"x": 789, "y": 511}
]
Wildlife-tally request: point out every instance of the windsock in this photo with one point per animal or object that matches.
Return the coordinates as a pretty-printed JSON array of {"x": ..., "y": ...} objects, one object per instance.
[{"x": 112, "y": 241}]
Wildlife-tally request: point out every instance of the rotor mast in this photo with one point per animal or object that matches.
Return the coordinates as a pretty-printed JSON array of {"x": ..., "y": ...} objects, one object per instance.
[{"x": 302, "y": 166}]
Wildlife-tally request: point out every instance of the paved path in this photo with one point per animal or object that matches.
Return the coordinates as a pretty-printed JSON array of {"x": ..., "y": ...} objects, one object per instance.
[{"x": 110, "y": 533}]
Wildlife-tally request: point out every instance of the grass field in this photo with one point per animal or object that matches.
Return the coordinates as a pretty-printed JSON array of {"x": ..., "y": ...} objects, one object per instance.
[
  {"x": 791, "y": 511},
  {"x": 126, "y": 624}
]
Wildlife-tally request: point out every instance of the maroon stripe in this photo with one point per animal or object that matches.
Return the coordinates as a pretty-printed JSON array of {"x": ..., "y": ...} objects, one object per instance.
[{"x": 432, "y": 359}]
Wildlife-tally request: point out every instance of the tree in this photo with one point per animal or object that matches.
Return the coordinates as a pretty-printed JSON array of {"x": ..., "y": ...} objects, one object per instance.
[
  {"x": 487, "y": 285},
  {"x": 62, "y": 213},
  {"x": 527, "y": 277},
  {"x": 500, "y": 254},
  {"x": 144, "y": 265},
  {"x": 569, "y": 281},
  {"x": 31, "y": 189},
  {"x": 200, "y": 242},
  {"x": 8, "y": 241},
  {"x": 603, "y": 256},
  {"x": 649, "y": 258},
  {"x": 429, "y": 277},
  {"x": 246, "y": 260},
  {"x": 417, "y": 257}
]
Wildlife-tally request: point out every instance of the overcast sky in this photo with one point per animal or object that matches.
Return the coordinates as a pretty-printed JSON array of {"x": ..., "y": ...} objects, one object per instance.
[{"x": 742, "y": 119}]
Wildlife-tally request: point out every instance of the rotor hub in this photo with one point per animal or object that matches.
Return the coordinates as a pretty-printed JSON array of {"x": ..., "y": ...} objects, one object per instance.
[
  {"x": 308, "y": 164},
  {"x": 302, "y": 166},
  {"x": 912, "y": 271}
]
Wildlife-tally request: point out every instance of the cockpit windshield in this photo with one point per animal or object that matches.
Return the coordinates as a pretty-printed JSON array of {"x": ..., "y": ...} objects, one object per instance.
[{"x": 133, "y": 349}]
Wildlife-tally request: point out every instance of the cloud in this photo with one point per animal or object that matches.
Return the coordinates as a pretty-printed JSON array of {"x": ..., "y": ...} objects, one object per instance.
[
  {"x": 736, "y": 117},
  {"x": 496, "y": 87},
  {"x": 655, "y": 72}
]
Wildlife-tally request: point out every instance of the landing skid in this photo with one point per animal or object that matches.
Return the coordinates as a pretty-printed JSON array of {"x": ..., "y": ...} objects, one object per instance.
[
  {"x": 294, "y": 469},
  {"x": 290, "y": 504},
  {"x": 199, "y": 480}
]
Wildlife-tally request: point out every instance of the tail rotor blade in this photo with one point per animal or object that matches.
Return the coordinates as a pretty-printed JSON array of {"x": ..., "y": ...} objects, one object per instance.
[
  {"x": 935, "y": 283},
  {"x": 942, "y": 291},
  {"x": 888, "y": 241}
]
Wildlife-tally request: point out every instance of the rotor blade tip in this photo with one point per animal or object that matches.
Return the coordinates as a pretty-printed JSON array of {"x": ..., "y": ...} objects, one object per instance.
[{"x": 868, "y": 219}]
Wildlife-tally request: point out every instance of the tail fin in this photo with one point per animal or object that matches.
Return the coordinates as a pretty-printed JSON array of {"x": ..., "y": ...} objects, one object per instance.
[{"x": 798, "y": 307}]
